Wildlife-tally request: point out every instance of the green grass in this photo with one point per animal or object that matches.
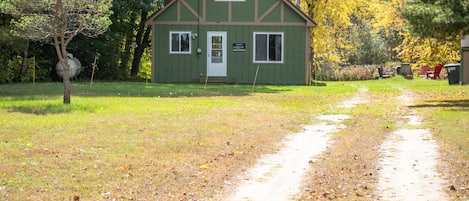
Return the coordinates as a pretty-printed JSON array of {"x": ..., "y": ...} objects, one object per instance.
[
  {"x": 143, "y": 141},
  {"x": 148, "y": 141}
]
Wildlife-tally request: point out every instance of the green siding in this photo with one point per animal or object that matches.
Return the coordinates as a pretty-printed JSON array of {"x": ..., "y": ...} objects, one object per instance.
[
  {"x": 187, "y": 16},
  {"x": 264, "y": 5},
  {"x": 243, "y": 11},
  {"x": 170, "y": 14},
  {"x": 174, "y": 67},
  {"x": 274, "y": 16},
  {"x": 292, "y": 16},
  {"x": 193, "y": 4},
  {"x": 240, "y": 66},
  {"x": 217, "y": 11}
]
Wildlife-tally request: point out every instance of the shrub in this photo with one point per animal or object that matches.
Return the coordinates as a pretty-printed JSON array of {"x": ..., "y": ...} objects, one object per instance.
[{"x": 346, "y": 73}]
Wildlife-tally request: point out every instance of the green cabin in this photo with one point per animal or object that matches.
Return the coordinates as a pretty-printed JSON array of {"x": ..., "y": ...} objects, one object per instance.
[{"x": 231, "y": 41}]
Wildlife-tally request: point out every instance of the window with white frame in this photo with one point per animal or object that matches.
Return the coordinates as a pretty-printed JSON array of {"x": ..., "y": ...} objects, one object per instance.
[
  {"x": 180, "y": 42},
  {"x": 268, "y": 47}
]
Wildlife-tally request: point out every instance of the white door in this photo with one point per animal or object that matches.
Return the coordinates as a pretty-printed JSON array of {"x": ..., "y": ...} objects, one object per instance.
[{"x": 216, "y": 53}]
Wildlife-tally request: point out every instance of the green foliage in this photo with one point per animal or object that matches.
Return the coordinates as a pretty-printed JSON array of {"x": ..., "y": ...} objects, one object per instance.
[
  {"x": 117, "y": 46},
  {"x": 42, "y": 20},
  {"x": 438, "y": 19},
  {"x": 145, "y": 69},
  {"x": 7, "y": 70},
  {"x": 8, "y": 50},
  {"x": 371, "y": 48}
]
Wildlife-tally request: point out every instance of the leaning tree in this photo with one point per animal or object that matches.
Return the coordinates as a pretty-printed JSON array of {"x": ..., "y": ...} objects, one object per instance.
[{"x": 58, "y": 22}]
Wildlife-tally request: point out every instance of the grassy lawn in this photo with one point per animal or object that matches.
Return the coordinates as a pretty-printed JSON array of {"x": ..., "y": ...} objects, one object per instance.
[
  {"x": 146, "y": 142},
  {"x": 178, "y": 142}
]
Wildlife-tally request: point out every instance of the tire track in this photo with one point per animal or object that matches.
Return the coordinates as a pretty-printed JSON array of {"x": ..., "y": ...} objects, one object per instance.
[
  {"x": 279, "y": 176},
  {"x": 408, "y": 162}
]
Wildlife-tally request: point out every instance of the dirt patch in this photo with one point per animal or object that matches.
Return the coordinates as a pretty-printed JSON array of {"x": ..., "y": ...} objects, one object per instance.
[
  {"x": 408, "y": 167},
  {"x": 358, "y": 99},
  {"x": 408, "y": 163}
]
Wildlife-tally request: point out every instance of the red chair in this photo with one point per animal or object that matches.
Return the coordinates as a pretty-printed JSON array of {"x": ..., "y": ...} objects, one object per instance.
[
  {"x": 424, "y": 71},
  {"x": 436, "y": 72}
]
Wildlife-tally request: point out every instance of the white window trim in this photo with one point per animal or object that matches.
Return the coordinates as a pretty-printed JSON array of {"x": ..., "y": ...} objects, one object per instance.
[
  {"x": 171, "y": 38},
  {"x": 254, "y": 48}
]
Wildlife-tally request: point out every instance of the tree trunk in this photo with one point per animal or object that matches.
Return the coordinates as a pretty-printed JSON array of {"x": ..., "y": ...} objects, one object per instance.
[
  {"x": 66, "y": 78},
  {"x": 67, "y": 88},
  {"x": 24, "y": 63},
  {"x": 136, "y": 61},
  {"x": 142, "y": 39},
  {"x": 61, "y": 47},
  {"x": 138, "y": 53}
]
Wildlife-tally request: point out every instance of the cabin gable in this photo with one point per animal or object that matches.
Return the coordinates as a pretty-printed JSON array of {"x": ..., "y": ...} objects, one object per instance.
[{"x": 211, "y": 12}]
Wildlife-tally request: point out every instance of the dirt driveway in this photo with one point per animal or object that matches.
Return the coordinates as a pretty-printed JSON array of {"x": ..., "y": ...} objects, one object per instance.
[{"x": 321, "y": 164}]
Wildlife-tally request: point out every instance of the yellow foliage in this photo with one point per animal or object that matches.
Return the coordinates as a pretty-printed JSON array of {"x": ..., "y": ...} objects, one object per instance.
[
  {"x": 427, "y": 51},
  {"x": 386, "y": 15},
  {"x": 331, "y": 38},
  {"x": 412, "y": 49}
]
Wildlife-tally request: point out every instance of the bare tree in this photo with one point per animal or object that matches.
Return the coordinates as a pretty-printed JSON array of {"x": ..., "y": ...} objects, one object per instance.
[{"x": 59, "y": 21}]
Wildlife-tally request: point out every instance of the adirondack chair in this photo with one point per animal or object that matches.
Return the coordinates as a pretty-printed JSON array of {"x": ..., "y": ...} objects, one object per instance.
[
  {"x": 424, "y": 71},
  {"x": 436, "y": 72}
]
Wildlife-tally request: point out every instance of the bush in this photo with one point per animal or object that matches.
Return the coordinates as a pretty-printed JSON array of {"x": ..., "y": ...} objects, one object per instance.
[{"x": 346, "y": 73}]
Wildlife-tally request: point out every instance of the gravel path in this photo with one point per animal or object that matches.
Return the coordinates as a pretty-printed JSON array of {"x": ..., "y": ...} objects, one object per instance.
[
  {"x": 278, "y": 177},
  {"x": 408, "y": 163}
]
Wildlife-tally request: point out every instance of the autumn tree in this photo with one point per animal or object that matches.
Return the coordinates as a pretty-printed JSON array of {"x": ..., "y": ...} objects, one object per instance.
[
  {"x": 59, "y": 22},
  {"x": 424, "y": 41},
  {"x": 341, "y": 32}
]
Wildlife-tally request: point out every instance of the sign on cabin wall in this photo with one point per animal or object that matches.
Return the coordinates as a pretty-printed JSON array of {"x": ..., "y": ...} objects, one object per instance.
[{"x": 239, "y": 47}]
